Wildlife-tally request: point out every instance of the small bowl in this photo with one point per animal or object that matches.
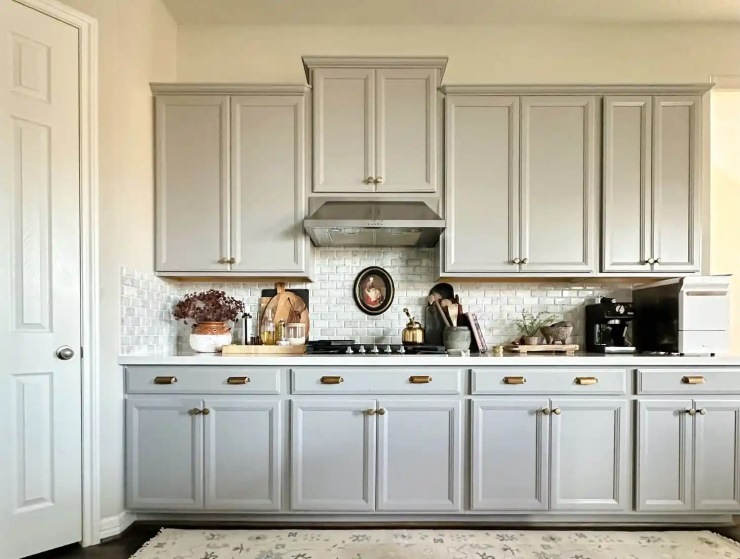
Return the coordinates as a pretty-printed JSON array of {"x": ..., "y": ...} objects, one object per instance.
[{"x": 297, "y": 341}]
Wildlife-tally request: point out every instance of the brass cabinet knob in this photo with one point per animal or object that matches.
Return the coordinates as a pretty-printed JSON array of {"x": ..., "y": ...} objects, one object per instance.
[
  {"x": 657, "y": 261},
  {"x": 194, "y": 411},
  {"x": 232, "y": 260},
  {"x": 701, "y": 411},
  {"x": 557, "y": 411},
  {"x": 525, "y": 260},
  {"x": 223, "y": 260},
  {"x": 381, "y": 411},
  {"x": 650, "y": 260},
  {"x": 205, "y": 411},
  {"x": 516, "y": 261},
  {"x": 370, "y": 180},
  {"x": 370, "y": 412},
  {"x": 545, "y": 411},
  {"x": 378, "y": 180},
  {"x": 691, "y": 412}
]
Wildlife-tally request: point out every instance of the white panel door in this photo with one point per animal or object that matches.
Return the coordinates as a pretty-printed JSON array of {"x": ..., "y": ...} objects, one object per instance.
[
  {"x": 243, "y": 441},
  {"x": 192, "y": 174},
  {"x": 482, "y": 183},
  {"x": 268, "y": 197},
  {"x": 717, "y": 455},
  {"x": 627, "y": 211},
  {"x": 558, "y": 166},
  {"x": 420, "y": 455},
  {"x": 590, "y": 455},
  {"x": 333, "y": 455},
  {"x": 40, "y": 470},
  {"x": 406, "y": 133},
  {"x": 664, "y": 457},
  {"x": 676, "y": 179},
  {"x": 510, "y": 454},
  {"x": 344, "y": 129}
]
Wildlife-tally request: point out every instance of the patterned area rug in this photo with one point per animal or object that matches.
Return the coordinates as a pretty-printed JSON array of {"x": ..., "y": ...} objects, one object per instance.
[{"x": 435, "y": 544}]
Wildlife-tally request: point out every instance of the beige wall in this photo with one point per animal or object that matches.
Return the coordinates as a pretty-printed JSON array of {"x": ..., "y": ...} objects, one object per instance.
[{"x": 137, "y": 45}]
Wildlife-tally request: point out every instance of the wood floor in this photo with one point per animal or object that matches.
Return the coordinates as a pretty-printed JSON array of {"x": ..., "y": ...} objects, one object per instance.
[{"x": 128, "y": 543}]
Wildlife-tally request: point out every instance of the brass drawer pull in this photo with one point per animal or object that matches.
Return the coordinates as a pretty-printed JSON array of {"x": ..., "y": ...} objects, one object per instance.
[
  {"x": 237, "y": 380},
  {"x": 514, "y": 380},
  {"x": 693, "y": 380},
  {"x": 420, "y": 379},
  {"x": 586, "y": 380},
  {"x": 165, "y": 380},
  {"x": 331, "y": 380}
]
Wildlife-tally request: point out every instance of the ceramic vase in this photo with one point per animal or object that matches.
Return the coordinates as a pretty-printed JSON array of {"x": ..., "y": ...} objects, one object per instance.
[
  {"x": 457, "y": 338},
  {"x": 210, "y": 337}
]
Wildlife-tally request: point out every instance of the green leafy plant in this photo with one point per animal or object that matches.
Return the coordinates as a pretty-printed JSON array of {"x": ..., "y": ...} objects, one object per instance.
[{"x": 529, "y": 324}]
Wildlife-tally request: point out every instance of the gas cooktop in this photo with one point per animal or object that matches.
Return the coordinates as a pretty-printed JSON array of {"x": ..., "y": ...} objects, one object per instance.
[{"x": 349, "y": 347}]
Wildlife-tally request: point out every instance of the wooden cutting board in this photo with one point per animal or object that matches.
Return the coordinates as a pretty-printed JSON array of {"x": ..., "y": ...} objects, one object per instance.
[
  {"x": 263, "y": 350},
  {"x": 568, "y": 349},
  {"x": 281, "y": 306}
]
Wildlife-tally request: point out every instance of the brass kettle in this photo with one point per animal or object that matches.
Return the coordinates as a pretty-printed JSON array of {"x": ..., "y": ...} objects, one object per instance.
[{"x": 413, "y": 334}]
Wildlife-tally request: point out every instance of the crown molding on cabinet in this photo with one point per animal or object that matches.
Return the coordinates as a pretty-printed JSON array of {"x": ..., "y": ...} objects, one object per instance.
[
  {"x": 438, "y": 62},
  {"x": 186, "y": 88},
  {"x": 581, "y": 89}
]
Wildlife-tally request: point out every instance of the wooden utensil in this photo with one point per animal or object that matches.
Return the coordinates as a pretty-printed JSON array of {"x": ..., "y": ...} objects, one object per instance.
[
  {"x": 283, "y": 305},
  {"x": 452, "y": 311},
  {"x": 433, "y": 300}
]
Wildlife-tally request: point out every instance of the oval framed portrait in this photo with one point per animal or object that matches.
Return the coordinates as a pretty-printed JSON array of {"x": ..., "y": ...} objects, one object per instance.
[{"x": 374, "y": 290}]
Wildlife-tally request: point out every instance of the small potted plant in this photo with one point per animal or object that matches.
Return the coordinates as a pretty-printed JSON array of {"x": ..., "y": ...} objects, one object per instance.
[
  {"x": 209, "y": 312},
  {"x": 529, "y": 325}
]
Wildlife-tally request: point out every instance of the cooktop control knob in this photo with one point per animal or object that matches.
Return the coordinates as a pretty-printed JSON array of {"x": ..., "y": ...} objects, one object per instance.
[
  {"x": 401, "y": 350},
  {"x": 362, "y": 349},
  {"x": 375, "y": 350},
  {"x": 349, "y": 350},
  {"x": 387, "y": 349}
]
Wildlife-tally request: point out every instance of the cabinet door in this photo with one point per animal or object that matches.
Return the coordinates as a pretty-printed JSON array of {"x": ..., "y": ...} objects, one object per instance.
[
  {"x": 420, "y": 455},
  {"x": 164, "y": 453},
  {"x": 243, "y": 438},
  {"x": 510, "y": 446},
  {"x": 344, "y": 129},
  {"x": 192, "y": 175},
  {"x": 482, "y": 183},
  {"x": 664, "y": 467},
  {"x": 333, "y": 455},
  {"x": 590, "y": 455},
  {"x": 717, "y": 455},
  {"x": 627, "y": 223},
  {"x": 406, "y": 132},
  {"x": 676, "y": 179},
  {"x": 268, "y": 151},
  {"x": 558, "y": 166}
]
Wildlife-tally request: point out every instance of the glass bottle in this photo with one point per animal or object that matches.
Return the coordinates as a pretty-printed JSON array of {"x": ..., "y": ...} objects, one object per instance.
[
  {"x": 280, "y": 332},
  {"x": 268, "y": 329}
]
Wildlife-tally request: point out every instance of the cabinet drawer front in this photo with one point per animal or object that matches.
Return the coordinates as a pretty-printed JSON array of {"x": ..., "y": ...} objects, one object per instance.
[
  {"x": 501, "y": 380},
  {"x": 202, "y": 380},
  {"x": 688, "y": 381},
  {"x": 372, "y": 380}
]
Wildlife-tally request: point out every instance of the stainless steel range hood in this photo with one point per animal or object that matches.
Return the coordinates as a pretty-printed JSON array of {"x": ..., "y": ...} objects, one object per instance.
[{"x": 382, "y": 224}]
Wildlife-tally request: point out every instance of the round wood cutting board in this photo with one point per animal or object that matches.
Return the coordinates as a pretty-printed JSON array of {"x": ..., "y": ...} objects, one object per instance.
[{"x": 282, "y": 304}]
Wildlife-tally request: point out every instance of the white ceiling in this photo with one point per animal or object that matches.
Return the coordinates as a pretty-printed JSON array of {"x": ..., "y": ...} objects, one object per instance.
[{"x": 460, "y": 12}]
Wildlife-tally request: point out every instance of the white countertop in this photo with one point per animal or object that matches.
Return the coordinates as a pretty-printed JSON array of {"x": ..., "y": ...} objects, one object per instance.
[{"x": 581, "y": 359}]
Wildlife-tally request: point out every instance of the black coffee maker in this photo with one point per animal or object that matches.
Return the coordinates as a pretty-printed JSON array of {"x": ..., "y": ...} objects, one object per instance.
[{"x": 608, "y": 326}]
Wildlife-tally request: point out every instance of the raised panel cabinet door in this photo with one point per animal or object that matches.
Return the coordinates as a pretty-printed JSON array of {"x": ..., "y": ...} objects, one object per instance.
[
  {"x": 406, "y": 131},
  {"x": 626, "y": 200},
  {"x": 243, "y": 469},
  {"x": 717, "y": 455},
  {"x": 164, "y": 453},
  {"x": 420, "y": 455},
  {"x": 559, "y": 186},
  {"x": 333, "y": 449},
  {"x": 268, "y": 178},
  {"x": 510, "y": 454},
  {"x": 343, "y": 129},
  {"x": 482, "y": 184},
  {"x": 192, "y": 183},
  {"x": 676, "y": 180},
  {"x": 664, "y": 458},
  {"x": 590, "y": 456}
]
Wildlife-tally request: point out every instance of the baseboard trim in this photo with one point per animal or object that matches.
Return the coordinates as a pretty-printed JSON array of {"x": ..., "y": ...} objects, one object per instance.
[{"x": 115, "y": 525}]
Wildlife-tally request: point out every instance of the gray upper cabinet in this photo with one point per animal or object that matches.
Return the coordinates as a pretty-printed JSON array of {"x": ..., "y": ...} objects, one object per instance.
[
  {"x": 420, "y": 455},
  {"x": 482, "y": 184},
  {"x": 510, "y": 454},
  {"x": 651, "y": 177},
  {"x": 559, "y": 143},
  {"x": 333, "y": 455},
  {"x": 376, "y": 124},
  {"x": 590, "y": 455},
  {"x": 243, "y": 439},
  {"x": 164, "y": 453},
  {"x": 232, "y": 173},
  {"x": 192, "y": 175}
]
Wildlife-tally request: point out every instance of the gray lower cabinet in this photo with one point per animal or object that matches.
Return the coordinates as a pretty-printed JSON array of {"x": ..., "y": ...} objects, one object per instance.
[
  {"x": 420, "y": 455},
  {"x": 333, "y": 455},
  {"x": 164, "y": 453},
  {"x": 689, "y": 455}
]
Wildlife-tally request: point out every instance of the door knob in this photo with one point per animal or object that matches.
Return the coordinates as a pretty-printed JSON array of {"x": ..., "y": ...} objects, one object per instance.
[
  {"x": 691, "y": 412},
  {"x": 701, "y": 411},
  {"x": 381, "y": 411},
  {"x": 378, "y": 180},
  {"x": 223, "y": 260},
  {"x": 657, "y": 261},
  {"x": 546, "y": 411},
  {"x": 525, "y": 260},
  {"x": 65, "y": 353},
  {"x": 370, "y": 180},
  {"x": 650, "y": 261},
  {"x": 557, "y": 411},
  {"x": 516, "y": 261},
  {"x": 370, "y": 412}
]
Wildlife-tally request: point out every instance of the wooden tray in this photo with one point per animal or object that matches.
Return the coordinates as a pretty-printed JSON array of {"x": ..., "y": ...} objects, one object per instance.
[
  {"x": 263, "y": 350},
  {"x": 568, "y": 349}
]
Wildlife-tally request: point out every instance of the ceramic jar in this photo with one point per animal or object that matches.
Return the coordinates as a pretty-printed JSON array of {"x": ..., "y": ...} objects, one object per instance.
[
  {"x": 457, "y": 338},
  {"x": 210, "y": 337}
]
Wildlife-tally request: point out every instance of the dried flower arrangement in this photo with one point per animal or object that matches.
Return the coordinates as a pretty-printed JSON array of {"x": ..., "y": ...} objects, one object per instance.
[
  {"x": 529, "y": 324},
  {"x": 208, "y": 306}
]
